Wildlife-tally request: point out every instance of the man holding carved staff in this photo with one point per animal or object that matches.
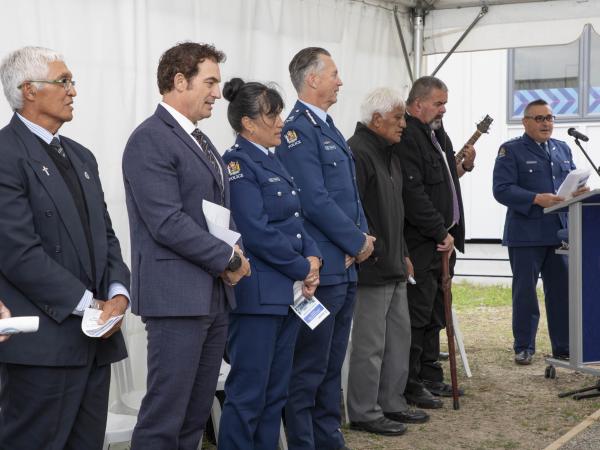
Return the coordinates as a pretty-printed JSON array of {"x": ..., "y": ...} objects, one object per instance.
[{"x": 434, "y": 224}]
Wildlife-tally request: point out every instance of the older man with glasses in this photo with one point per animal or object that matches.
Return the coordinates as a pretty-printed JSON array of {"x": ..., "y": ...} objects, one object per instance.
[
  {"x": 527, "y": 174},
  {"x": 60, "y": 256}
]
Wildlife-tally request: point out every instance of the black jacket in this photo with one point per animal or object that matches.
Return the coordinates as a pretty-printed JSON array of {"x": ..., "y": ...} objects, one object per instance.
[
  {"x": 427, "y": 197},
  {"x": 379, "y": 179}
]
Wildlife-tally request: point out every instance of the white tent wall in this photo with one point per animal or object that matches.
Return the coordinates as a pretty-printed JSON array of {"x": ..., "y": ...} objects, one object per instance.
[{"x": 113, "y": 46}]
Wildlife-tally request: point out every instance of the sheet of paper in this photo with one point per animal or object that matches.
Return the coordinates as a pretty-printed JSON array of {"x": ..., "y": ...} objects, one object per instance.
[
  {"x": 16, "y": 325},
  {"x": 311, "y": 311},
  {"x": 575, "y": 179},
  {"x": 90, "y": 326},
  {"x": 217, "y": 220},
  {"x": 216, "y": 214}
]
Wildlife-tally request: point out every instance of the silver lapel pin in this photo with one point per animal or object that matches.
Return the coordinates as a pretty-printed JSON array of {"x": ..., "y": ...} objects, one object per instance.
[
  {"x": 86, "y": 175},
  {"x": 45, "y": 170}
]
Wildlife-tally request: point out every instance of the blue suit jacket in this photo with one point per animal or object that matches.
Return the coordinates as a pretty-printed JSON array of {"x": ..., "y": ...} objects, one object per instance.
[
  {"x": 174, "y": 258},
  {"x": 45, "y": 267},
  {"x": 323, "y": 168},
  {"x": 522, "y": 170},
  {"x": 266, "y": 208}
]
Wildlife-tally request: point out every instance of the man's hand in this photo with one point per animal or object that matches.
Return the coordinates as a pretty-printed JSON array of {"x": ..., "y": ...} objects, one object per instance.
[
  {"x": 410, "y": 270},
  {"x": 312, "y": 279},
  {"x": 468, "y": 161},
  {"x": 4, "y": 314},
  {"x": 367, "y": 249},
  {"x": 547, "y": 200},
  {"x": 349, "y": 260},
  {"x": 469, "y": 156},
  {"x": 447, "y": 244},
  {"x": 232, "y": 278},
  {"x": 110, "y": 308},
  {"x": 581, "y": 190}
]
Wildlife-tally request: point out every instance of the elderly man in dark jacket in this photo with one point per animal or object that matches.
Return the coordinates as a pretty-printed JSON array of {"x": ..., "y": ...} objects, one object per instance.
[{"x": 381, "y": 332}]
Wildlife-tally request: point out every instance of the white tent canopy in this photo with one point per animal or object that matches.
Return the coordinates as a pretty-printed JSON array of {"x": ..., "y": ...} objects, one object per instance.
[{"x": 509, "y": 25}]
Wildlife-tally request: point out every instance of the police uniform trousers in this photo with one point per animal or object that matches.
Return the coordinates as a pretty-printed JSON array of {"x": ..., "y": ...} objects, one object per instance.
[
  {"x": 312, "y": 413},
  {"x": 380, "y": 348},
  {"x": 261, "y": 351},
  {"x": 527, "y": 263}
]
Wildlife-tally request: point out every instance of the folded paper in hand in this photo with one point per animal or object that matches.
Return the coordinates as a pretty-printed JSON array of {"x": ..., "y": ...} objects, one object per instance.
[
  {"x": 575, "y": 179},
  {"x": 16, "y": 325},
  {"x": 217, "y": 220},
  {"x": 310, "y": 310},
  {"x": 90, "y": 325}
]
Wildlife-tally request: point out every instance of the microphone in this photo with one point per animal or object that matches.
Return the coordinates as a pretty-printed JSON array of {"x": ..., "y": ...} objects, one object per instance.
[{"x": 577, "y": 135}]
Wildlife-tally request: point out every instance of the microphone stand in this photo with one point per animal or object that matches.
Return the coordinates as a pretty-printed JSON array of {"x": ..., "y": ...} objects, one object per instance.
[{"x": 597, "y": 169}]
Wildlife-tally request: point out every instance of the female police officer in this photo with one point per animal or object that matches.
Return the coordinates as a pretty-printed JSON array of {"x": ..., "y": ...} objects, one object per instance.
[{"x": 262, "y": 331}]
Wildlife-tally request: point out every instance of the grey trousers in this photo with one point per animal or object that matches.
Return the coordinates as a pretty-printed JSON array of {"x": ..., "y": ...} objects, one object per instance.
[{"x": 380, "y": 352}]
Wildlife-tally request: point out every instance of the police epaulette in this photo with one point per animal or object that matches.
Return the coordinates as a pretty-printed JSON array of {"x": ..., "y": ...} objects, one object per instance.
[{"x": 310, "y": 117}]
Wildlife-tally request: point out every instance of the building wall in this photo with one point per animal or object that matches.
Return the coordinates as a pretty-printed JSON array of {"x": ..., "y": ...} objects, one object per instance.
[{"x": 477, "y": 83}]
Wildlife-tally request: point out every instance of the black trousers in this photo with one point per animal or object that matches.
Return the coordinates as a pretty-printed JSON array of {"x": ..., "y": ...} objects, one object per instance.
[
  {"x": 53, "y": 408},
  {"x": 426, "y": 308}
]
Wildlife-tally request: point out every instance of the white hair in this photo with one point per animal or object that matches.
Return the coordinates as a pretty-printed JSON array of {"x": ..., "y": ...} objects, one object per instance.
[
  {"x": 380, "y": 100},
  {"x": 27, "y": 63}
]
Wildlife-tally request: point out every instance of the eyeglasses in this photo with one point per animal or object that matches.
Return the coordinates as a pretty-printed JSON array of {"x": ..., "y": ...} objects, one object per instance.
[
  {"x": 66, "y": 83},
  {"x": 540, "y": 119}
]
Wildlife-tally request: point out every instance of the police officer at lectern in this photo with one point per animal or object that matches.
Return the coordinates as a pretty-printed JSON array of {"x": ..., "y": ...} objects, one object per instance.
[{"x": 527, "y": 174}]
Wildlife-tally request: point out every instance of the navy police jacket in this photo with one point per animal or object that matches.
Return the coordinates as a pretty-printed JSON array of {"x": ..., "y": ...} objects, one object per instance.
[
  {"x": 322, "y": 164},
  {"x": 522, "y": 170},
  {"x": 266, "y": 209}
]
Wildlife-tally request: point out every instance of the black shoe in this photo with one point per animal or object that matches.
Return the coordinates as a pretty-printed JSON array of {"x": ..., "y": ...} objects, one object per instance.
[
  {"x": 408, "y": 416},
  {"x": 423, "y": 399},
  {"x": 444, "y": 356},
  {"x": 441, "y": 389},
  {"x": 523, "y": 358},
  {"x": 382, "y": 426},
  {"x": 563, "y": 357},
  {"x": 344, "y": 448}
]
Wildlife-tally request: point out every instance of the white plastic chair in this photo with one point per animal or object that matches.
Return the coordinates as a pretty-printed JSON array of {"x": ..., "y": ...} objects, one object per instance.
[{"x": 119, "y": 428}]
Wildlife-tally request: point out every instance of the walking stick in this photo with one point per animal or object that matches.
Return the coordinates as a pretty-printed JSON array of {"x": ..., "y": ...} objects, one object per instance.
[{"x": 447, "y": 289}]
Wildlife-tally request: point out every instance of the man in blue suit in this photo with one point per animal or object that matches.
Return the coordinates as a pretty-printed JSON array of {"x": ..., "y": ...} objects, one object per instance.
[
  {"x": 318, "y": 157},
  {"x": 527, "y": 174},
  {"x": 182, "y": 275},
  {"x": 60, "y": 256}
]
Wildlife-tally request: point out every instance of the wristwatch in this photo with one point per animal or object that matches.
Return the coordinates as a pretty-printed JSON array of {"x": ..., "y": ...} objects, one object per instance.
[
  {"x": 465, "y": 169},
  {"x": 234, "y": 263}
]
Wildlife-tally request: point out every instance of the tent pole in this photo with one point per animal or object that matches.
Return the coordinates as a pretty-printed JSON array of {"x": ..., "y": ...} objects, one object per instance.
[
  {"x": 483, "y": 12},
  {"x": 418, "y": 16},
  {"x": 404, "y": 51}
]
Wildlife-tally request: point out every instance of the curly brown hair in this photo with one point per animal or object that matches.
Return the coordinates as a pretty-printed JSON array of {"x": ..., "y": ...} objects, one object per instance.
[{"x": 184, "y": 58}]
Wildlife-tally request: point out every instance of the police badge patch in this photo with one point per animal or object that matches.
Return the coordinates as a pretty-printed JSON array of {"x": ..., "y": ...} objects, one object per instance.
[
  {"x": 291, "y": 136},
  {"x": 233, "y": 168},
  {"x": 501, "y": 152}
]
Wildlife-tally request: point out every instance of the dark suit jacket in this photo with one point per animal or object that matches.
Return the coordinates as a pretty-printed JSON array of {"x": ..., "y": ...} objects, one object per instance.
[
  {"x": 45, "y": 267},
  {"x": 174, "y": 258},
  {"x": 427, "y": 195}
]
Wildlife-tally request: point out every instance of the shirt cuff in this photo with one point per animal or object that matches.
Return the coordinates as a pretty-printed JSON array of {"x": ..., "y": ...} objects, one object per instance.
[
  {"x": 117, "y": 288},
  {"x": 83, "y": 303}
]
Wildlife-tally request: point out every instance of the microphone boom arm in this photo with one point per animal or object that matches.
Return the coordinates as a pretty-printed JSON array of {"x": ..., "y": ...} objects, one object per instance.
[{"x": 596, "y": 169}]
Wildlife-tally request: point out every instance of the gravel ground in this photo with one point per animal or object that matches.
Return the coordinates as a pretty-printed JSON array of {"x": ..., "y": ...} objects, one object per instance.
[{"x": 588, "y": 439}]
